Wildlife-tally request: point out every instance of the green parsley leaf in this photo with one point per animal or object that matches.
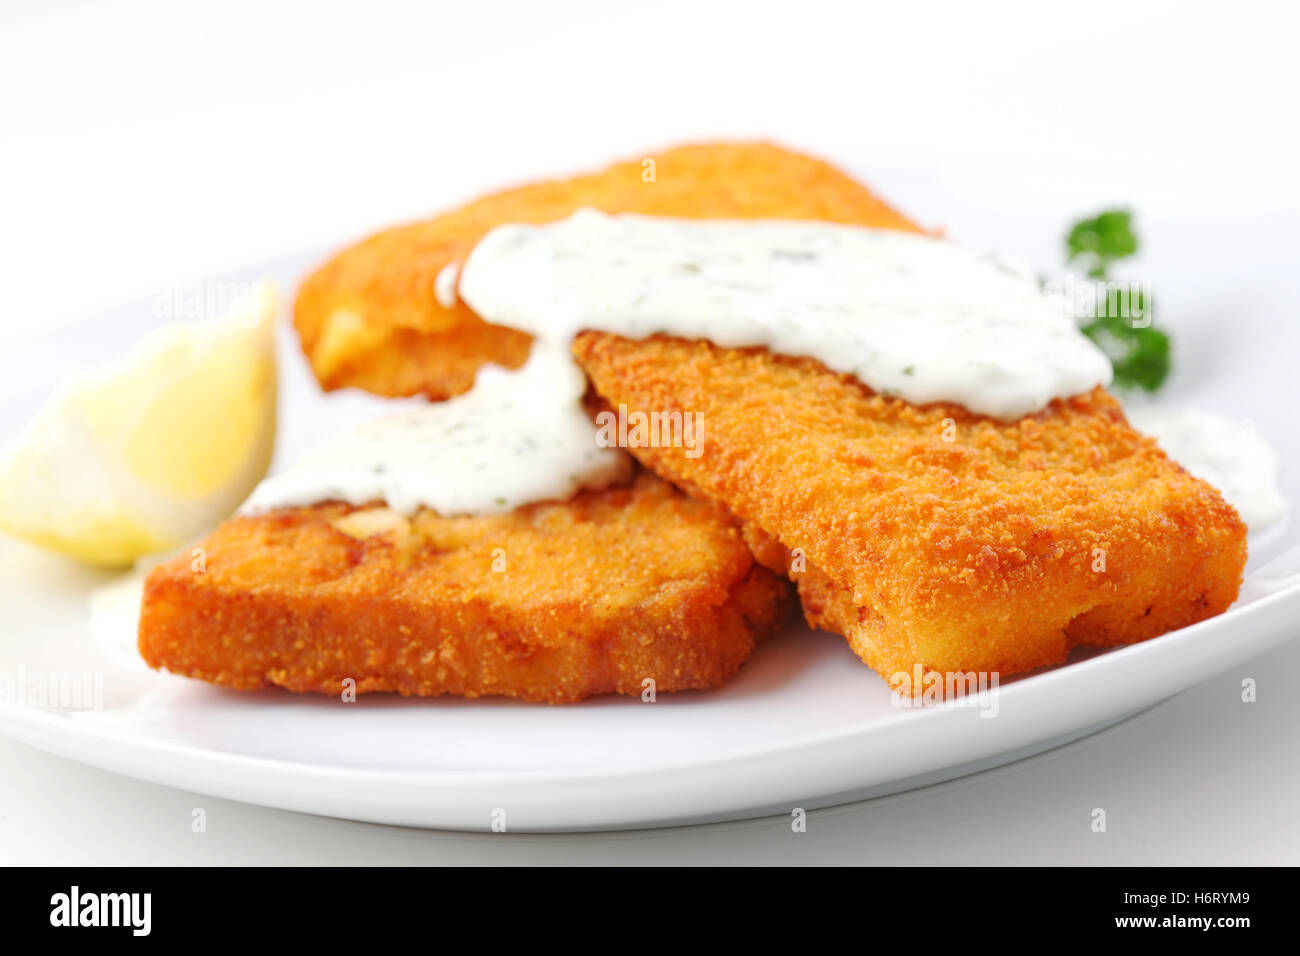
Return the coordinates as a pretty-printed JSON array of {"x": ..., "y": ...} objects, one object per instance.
[
  {"x": 1141, "y": 356},
  {"x": 1097, "y": 242}
]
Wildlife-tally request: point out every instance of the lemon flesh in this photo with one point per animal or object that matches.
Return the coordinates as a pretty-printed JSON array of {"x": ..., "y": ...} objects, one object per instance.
[{"x": 146, "y": 454}]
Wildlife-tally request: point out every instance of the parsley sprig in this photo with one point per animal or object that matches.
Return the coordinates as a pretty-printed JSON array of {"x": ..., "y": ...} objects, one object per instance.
[{"x": 1140, "y": 355}]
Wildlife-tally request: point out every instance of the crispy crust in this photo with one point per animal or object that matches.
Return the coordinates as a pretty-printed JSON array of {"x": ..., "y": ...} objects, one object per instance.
[
  {"x": 370, "y": 317},
  {"x": 997, "y": 550},
  {"x": 596, "y": 595},
  {"x": 971, "y": 554}
]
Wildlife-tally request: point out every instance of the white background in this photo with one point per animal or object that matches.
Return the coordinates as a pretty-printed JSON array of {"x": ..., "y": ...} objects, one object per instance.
[{"x": 145, "y": 144}]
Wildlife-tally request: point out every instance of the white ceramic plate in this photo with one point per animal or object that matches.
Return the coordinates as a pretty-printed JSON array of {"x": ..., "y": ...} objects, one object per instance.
[{"x": 803, "y": 725}]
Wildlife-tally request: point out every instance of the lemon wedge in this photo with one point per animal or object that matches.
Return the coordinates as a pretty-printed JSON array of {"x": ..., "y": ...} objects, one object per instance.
[{"x": 145, "y": 454}]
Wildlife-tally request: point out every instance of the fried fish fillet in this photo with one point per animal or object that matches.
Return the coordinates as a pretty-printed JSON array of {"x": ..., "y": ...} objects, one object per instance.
[
  {"x": 930, "y": 537},
  {"x": 552, "y": 602},
  {"x": 602, "y": 592},
  {"x": 371, "y": 318}
]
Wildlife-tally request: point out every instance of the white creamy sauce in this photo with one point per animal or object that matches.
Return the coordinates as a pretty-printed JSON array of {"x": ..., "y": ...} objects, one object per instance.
[
  {"x": 505, "y": 443},
  {"x": 909, "y": 315},
  {"x": 1228, "y": 454},
  {"x": 444, "y": 285}
]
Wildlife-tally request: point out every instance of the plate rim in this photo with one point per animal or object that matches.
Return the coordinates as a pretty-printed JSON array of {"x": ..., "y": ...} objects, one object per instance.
[
  {"x": 1150, "y": 671},
  {"x": 269, "y": 781}
]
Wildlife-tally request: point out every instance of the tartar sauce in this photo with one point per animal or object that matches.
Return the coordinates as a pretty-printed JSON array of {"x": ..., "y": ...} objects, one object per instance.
[
  {"x": 505, "y": 443},
  {"x": 1228, "y": 454},
  {"x": 910, "y": 315},
  {"x": 444, "y": 285}
]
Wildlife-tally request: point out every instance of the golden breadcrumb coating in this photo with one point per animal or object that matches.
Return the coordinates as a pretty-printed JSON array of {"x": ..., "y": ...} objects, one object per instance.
[
  {"x": 552, "y": 602},
  {"x": 997, "y": 550},
  {"x": 927, "y": 535},
  {"x": 370, "y": 317}
]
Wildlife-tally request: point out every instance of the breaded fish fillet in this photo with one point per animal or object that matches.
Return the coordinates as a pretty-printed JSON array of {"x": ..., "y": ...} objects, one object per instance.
[
  {"x": 552, "y": 602},
  {"x": 370, "y": 318},
  {"x": 928, "y": 536},
  {"x": 997, "y": 550}
]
